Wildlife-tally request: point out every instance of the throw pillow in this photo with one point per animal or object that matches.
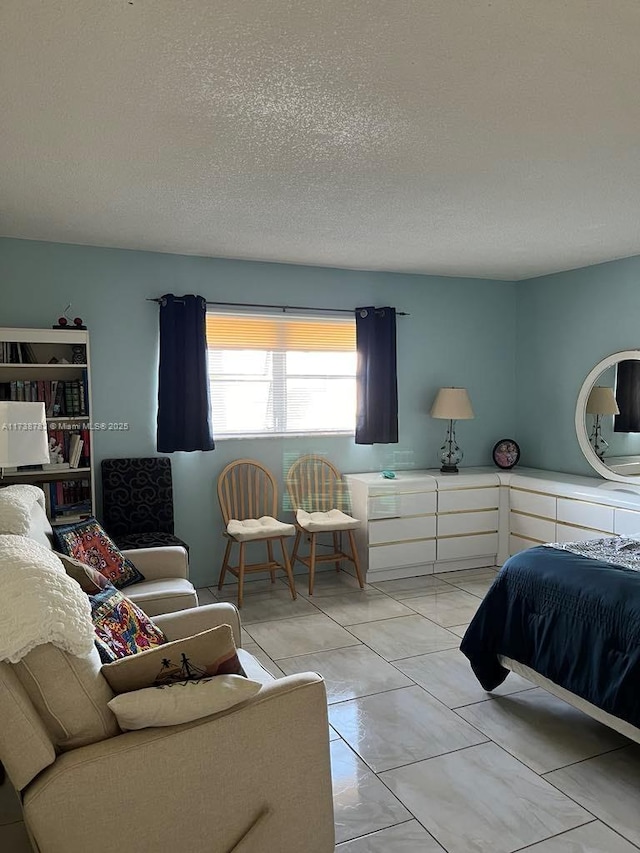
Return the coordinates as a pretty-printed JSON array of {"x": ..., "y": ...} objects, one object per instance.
[
  {"x": 89, "y": 579},
  {"x": 210, "y": 653},
  {"x": 89, "y": 542},
  {"x": 121, "y": 627},
  {"x": 181, "y": 702}
]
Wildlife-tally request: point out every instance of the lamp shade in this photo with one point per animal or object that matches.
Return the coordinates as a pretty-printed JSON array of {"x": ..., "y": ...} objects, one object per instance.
[
  {"x": 601, "y": 401},
  {"x": 23, "y": 434},
  {"x": 452, "y": 404}
]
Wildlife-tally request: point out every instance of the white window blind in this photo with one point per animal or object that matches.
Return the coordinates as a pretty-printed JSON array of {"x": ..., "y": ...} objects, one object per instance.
[{"x": 281, "y": 374}]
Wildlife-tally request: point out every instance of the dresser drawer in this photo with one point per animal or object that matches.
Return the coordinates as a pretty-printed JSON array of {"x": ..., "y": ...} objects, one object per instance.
[
  {"x": 402, "y": 554},
  {"x": 531, "y": 527},
  {"x": 457, "y": 500},
  {"x": 626, "y": 522},
  {"x": 517, "y": 544},
  {"x": 585, "y": 514},
  {"x": 455, "y": 523},
  {"x": 398, "y": 505},
  {"x": 567, "y": 533},
  {"x": 463, "y": 547},
  {"x": 399, "y": 529},
  {"x": 533, "y": 503}
]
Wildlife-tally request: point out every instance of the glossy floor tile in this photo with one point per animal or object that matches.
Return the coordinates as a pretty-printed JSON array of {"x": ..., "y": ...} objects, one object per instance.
[
  {"x": 407, "y": 837},
  {"x": 205, "y": 596},
  {"x": 365, "y": 605},
  {"x": 481, "y": 799},
  {"x": 478, "y": 587},
  {"x": 447, "y": 608},
  {"x": 14, "y": 839},
  {"x": 399, "y": 727},
  {"x": 362, "y": 804},
  {"x": 271, "y": 604},
  {"x": 10, "y": 809},
  {"x": 540, "y": 730},
  {"x": 591, "y": 838},
  {"x": 300, "y": 636},
  {"x": 327, "y": 583},
  {"x": 459, "y": 630},
  {"x": 404, "y": 636},
  {"x": 411, "y": 587},
  {"x": 609, "y": 786},
  {"x": 348, "y": 673},
  {"x": 448, "y": 676}
]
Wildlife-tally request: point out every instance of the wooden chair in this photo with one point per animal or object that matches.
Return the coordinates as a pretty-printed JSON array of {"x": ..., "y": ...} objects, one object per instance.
[
  {"x": 248, "y": 496},
  {"x": 319, "y": 496}
]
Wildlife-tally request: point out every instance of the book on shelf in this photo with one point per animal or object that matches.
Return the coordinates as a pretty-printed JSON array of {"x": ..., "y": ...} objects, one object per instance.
[
  {"x": 61, "y": 398},
  {"x": 75, "y": 449},
  {"x": 17, "y": 353},
  {"x": 68, "y": 498}
]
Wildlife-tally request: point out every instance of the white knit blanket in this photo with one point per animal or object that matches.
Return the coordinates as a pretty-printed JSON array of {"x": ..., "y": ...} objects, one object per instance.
[
  {"x": 16, "y": 507},
  {"x": 39, "y": 602}
]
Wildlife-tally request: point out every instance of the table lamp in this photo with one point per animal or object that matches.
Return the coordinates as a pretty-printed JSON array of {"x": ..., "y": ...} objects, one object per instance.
[
  {"x": 23, "y": 434},
  {"x": 601, "y": 401},
  {"x": 451, "y": 404}
]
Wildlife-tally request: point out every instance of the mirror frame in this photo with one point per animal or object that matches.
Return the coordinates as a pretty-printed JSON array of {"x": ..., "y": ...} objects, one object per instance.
[{"x": 581, "y": 420}]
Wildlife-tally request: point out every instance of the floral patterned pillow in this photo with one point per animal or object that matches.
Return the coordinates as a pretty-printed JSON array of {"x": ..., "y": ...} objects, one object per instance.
[
  {"x": 121, "y": 627},
  {"x": 88, "y": 542}
]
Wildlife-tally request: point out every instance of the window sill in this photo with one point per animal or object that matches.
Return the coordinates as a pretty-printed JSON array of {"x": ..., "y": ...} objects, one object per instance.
[{"x": 270, "y": 435}]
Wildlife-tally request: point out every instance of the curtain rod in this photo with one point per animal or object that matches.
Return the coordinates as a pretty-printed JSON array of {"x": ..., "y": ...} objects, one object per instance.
[{"x": 282, "y": 308}]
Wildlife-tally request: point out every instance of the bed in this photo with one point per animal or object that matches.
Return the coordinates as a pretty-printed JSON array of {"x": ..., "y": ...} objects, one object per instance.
[{"x": 567, "y": 617}]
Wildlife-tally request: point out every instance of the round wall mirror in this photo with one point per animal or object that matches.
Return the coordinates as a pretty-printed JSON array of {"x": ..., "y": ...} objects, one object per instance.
[{"x": 608, "y": 417}]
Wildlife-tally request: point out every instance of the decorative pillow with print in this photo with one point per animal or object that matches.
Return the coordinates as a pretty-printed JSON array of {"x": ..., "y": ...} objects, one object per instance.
[
  {"x": 121, "y": 626},
  {"x": 88, "y": 542},
  {"x": 210, "y": 653}
]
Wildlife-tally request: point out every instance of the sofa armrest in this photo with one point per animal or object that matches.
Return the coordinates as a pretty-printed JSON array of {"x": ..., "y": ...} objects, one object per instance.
[
  {"x": 154, "y": 563},
  {"x": 255, "y": 778},
  {"x": 185, "y": 623}
]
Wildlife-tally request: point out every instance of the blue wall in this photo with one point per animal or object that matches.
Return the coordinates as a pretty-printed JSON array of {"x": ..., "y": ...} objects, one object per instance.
[
  {"x": 566, "y": 324},
  {"x": 460, "y": 332}
]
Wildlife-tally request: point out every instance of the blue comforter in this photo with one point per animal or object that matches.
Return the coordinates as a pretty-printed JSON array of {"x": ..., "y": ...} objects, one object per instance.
[{"x": 573, "y": 619}]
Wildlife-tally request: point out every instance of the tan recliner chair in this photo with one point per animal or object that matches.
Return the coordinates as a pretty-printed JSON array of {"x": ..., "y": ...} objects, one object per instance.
[{"x": 253, "y": 779}]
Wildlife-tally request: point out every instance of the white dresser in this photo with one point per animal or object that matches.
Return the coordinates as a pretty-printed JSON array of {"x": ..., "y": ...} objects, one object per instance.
[
  {"x": 424, "y": 521},
  {"x": 398, "y": 535}
]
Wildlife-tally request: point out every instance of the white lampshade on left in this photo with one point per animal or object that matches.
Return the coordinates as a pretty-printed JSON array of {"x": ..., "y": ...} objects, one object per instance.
[{"x": 23, "y": 434}]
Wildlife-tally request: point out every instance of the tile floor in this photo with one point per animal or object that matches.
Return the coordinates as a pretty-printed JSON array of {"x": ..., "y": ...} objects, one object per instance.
[{"x": 424, "y": 761}]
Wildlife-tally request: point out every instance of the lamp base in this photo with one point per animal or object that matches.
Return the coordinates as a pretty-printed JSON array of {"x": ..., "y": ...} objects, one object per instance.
[{"x": 449, "y": 469}]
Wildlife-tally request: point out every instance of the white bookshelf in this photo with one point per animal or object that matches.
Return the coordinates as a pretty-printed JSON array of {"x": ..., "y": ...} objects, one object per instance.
[{"x": 47, "y": 344}]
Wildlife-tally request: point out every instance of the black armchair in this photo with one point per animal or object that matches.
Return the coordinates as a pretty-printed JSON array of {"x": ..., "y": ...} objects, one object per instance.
[{"x": 137, "y": 502}]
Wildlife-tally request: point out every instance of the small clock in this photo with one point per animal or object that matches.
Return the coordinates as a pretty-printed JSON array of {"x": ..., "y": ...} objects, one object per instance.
[{"x": 506, "y": 453}]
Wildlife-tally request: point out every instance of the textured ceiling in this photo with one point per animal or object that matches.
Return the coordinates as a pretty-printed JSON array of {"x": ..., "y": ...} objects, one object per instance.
[{"x": 494, "y": 138}]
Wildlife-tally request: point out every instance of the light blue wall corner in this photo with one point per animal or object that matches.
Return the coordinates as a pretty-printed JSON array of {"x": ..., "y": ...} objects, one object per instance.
[
  {"x": 567, "y": 323},
  {"x": 460, "y": 332}
]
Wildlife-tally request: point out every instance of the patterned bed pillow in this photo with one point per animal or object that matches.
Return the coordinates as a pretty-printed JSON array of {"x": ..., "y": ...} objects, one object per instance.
[
  {"x": 88, "y": 542},
  {"x": 121, "y": 626},
  {"x": 210, "y": 653}
]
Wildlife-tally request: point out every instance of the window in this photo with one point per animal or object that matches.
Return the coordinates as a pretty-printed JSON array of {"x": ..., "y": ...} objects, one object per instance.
[{"x": 281, "y": 374}]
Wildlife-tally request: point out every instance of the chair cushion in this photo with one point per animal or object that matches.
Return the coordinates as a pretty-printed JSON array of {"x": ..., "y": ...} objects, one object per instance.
[
  {"x": 88, "y": 542},
  {"x": 258, "y": 528},
  {"x": 173, "y": 704},
  {"x": 69, "y": 694},
  {"x": 204, "y": 655},
  {"x": 163, "y": 595},
  {"x": 121, "y": 627},
  {"x": 335, "y": 519}
]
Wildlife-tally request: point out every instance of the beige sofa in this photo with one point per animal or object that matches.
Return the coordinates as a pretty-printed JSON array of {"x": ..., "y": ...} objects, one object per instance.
[
  {"x": 252, "y": 779},
  {"x": 166, "y": 587}
]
